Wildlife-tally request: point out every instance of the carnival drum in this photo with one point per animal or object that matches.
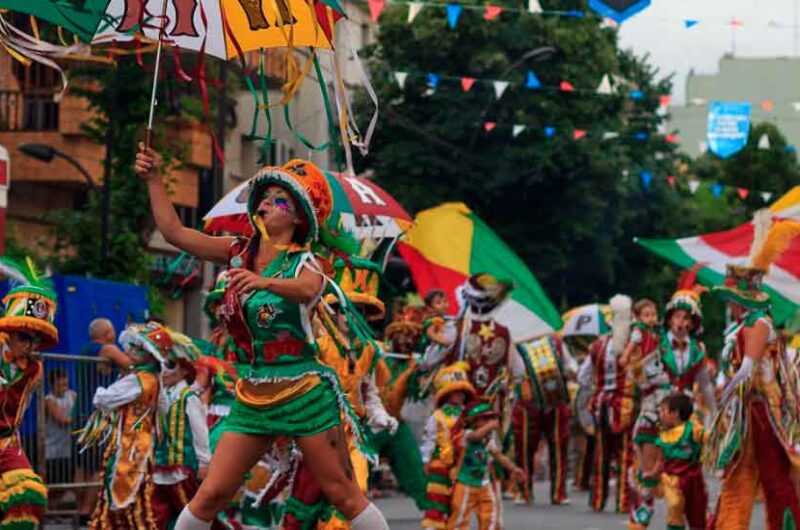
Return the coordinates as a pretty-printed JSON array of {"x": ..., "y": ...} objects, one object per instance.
[{"x": 546, "y": 374}]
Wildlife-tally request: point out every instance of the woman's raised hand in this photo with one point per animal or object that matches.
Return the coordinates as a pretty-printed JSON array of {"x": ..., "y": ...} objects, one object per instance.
[{"x": 148, "y": 163}]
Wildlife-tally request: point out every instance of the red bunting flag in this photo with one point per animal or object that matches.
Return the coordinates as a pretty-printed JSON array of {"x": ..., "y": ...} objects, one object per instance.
[
  {"x": 743, "y": 193},
  {"x": 467, "y": 83},
  {"x": 671, "y": 180},
  {"x": 375, "y": 9},
  {"x": 489, "y": 126},
  {"x": 767, "y": 105},
  {"x": 671, "y": 138},
  {"x": 566, "y": 86},
  {"x": 736, "y": 23},
  {"x": 577, "y": 134},
  {"x": 492, "y": 12},
  {"x": 664, "y": 100}
]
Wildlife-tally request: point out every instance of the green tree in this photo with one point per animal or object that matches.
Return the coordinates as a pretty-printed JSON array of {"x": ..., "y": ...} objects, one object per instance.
[{"x": 569, "y": 207}]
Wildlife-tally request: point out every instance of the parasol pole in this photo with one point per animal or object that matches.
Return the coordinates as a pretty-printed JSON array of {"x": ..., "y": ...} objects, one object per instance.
[{"x": 148, "y": 135}]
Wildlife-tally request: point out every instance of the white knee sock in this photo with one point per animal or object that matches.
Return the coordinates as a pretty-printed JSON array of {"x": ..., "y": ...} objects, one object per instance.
[
  {"x": 370, "y": 519},
  {"x": 188, "y": 521}
]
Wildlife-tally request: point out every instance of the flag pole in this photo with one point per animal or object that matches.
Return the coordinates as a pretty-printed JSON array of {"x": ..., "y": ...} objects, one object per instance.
[{"x": 148, "y": 135}]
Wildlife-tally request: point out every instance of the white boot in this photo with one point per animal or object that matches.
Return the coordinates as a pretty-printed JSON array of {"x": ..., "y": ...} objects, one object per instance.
[
  {"x": 370, "y": 519},
  {"x": 188, "y": 521}
]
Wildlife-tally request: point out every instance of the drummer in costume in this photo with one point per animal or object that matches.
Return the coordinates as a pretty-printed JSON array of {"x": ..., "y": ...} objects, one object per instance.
[
  {"x": 756, "y": 433},
  {"x": 542, "y": 410},
  {"x": 125, "y": 419},
  {"x": 348, "y": 348},
  {"x": 274, "y": 281},
  {"x": 397, "y": 379},
  {"x": 612, "y": 408},
  {"x": 26, "y": 327},
  {"x": 452, "y": 391}
]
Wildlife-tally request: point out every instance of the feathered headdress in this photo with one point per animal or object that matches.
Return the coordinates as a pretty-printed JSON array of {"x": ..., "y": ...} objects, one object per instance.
[
  {"x": 30, "y": 305},
  {"x": 743, "y": 284},
  {"x": 621, "y": 319}
]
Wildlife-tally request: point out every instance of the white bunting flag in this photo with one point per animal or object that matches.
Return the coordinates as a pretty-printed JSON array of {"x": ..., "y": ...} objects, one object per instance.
[
  {"x": 517, "y": 130},
  {"x": 534, "y": 6},
  {"x": 766, "y": 196},
  {"x": 605, "y": 86},
  {"x": 401, "y": 77},
  {"x": 694, "y": 185},
  {"x": 796, "y": 106},
  {"x": 500, "y": 88},
  {"x": 699, "y": 101},
  {"x": 702, "y": 146},
  {"x": 763, "y": 142},
  {"x": 413, "y": 10},
  {"x": 608, "y": 135}
]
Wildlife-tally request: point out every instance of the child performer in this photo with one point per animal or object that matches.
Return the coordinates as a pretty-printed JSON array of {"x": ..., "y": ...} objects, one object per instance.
[
  {"x": 681, "y": 445},
  {"x": 182, "y": 456},
  {"x": 476, "y": 488}
]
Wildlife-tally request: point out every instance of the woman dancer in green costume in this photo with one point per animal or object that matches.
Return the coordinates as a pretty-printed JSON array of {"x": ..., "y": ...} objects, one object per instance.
[{"x": 273, "y": 282}]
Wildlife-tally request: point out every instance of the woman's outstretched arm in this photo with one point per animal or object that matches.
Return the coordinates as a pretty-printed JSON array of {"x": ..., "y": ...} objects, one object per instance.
[{"x": 148, "y": 167}]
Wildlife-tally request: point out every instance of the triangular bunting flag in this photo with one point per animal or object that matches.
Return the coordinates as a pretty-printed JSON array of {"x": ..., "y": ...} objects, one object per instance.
[
  {"x": 647, "y": 178},
  {"x": 413, "y": 10},
  {"x": 566, "y": 86},
  {"x": 577, "y": 134},
  {"x": 664, "y": 100},
  {"x": 766, "y": 196},
  {"x": 641, "y": 135},
  {"x": 689, "y": 23},
  {"x": 694, "y": 185},
  {"x": 532, "y": 82},
  {"x": 671, "y": 180},
  {"x": 401, "y": 77},
  {"x": 549, "y": 131},
  {"x": 702, "y": 146},
  {"x": 534, "y": 6},
  {"x": 500, "y": 88},
  {"x": 743, "y": 193},
  {"x": 605, "y": 86},
  {"x": 467, "y": 83},
  {"x": 671, "y": 138},
  {"x": 375, "y": 9},
  {"x": 517, "y": 130},
  {"x": 763, "y": 142},
  {"x": 699, "y": 101},
  {"x": 489, "y": 126},
  {"x": 433, "y": 82},
  {"x": 610, "y": 135},
  {"x": 636, "y": 94},
  {"x": 767, "y": 106},
  {"x": 453, "y": 13},
  {"x": 796, "y": 106},
  {"x": 716, "y": 190},
  {"x": 492, "y": 12},
  {"x": 736, "y": 23}
]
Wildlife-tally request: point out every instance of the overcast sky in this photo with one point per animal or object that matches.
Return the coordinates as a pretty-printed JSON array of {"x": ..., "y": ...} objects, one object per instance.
[{"x": 660, "y": 30}]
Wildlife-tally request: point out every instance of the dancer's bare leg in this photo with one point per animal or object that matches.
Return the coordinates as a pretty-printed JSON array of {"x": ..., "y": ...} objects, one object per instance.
[{"x": 234, "y": 456}]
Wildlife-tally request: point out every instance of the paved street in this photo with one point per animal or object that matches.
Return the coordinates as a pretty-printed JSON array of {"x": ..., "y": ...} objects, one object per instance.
[{"x": 402, "y": 515}]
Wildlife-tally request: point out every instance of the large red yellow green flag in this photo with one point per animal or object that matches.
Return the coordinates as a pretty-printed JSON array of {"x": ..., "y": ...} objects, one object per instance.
[
  {"x": 448, "y": 243},
  {"x": 732, "y": 246}
]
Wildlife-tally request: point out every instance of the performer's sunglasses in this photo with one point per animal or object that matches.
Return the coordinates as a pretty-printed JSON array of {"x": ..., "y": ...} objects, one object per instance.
[{"x": 24, "y": 336}]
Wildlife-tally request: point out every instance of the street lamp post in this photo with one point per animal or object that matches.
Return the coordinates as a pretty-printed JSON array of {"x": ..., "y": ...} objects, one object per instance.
[{"x": 45, "y": 153}]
